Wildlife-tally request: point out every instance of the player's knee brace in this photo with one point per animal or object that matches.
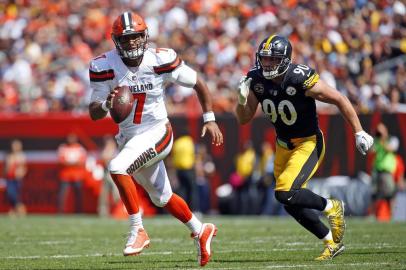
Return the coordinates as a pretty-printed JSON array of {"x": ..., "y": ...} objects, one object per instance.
[{"x": 286, "y": 197}]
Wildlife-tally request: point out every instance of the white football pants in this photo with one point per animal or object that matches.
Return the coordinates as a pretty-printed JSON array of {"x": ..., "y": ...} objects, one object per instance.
[{"x": 142, "y": 157}]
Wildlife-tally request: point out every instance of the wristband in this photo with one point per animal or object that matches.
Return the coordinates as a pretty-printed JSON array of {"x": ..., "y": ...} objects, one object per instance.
[
  {"x": 104, "y": 106},
  {"x": 208, "y": 116}
]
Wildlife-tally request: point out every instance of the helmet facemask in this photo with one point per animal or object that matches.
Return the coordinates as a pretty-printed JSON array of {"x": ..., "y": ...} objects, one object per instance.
[
  {"x": 272, "y": 65},
  {"x": 131, "y": 45}
]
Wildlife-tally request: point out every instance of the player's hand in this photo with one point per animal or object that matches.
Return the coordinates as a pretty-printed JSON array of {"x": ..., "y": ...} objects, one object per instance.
[
  {"x": 243, "y": 90},
  {"x": 364, "y": 141},
  {"x": 109, "y": 99},
  {"x": 214, "y": 131}
]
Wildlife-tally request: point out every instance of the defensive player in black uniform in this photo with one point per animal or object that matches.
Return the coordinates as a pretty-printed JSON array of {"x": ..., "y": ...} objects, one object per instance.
[{"x": 287, "y": 94}]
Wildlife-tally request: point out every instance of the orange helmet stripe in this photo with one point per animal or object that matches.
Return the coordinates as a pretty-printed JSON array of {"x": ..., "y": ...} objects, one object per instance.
[{"x": 128, "y": 22}]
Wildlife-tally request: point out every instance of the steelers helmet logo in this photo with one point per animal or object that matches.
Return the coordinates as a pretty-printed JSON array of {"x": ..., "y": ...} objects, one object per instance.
[
  {"x": 291, "y": 91},
  {"x": 259, "y": 88}
]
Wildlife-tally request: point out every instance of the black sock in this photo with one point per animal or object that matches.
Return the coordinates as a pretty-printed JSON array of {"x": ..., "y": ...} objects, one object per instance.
[{"x": 308, "y": 219}]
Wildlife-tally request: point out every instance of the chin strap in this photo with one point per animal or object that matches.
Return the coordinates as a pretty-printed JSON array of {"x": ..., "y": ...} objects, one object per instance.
[{"x": 132, "y": 62}]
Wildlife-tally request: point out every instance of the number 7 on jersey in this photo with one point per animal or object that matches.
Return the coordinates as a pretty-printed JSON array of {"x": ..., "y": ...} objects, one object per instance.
[{"x": 140, "y": 98}]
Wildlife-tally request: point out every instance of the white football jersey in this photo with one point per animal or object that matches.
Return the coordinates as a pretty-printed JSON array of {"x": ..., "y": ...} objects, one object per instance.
[{"x": 147, "y": 83}]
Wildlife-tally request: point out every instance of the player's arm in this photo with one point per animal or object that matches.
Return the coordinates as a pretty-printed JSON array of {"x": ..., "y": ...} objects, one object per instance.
[
  {"x": 210, "y": 125},
  {"x": 99, "y": 109},
  {"x": 247, "y": 102},
  {"x": 187, "y": 77},
  {"x": 101, "y": 79},
  {"x": 96, "y": 110},
  {"x": 203, "y": 94},
  {"x": 325, "y": 93}
]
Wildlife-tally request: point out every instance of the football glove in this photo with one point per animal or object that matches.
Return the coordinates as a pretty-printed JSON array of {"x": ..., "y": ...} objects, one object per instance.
[
  {"x": 243, "y": 90},
  {"x": 364, "y": 141}
]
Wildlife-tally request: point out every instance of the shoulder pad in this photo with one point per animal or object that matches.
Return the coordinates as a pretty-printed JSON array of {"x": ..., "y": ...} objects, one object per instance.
[
  {"x": 254, "y": 68},
  {"x": 99, "y": 63},
  {"x": 303, "y": 76},
  {"x": 100, "y": 69},
  {"x": 254, "y": 73},
  {"x": 167, "y": 60},
  {"x": 311, "y": 81}
]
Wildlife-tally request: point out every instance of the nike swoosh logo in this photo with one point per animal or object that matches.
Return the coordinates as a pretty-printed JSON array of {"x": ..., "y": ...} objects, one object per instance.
[{"x": 290, "y": 198}]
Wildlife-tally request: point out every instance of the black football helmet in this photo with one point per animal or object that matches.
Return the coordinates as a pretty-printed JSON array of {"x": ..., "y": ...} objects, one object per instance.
[{"x": 274, "y": 56}]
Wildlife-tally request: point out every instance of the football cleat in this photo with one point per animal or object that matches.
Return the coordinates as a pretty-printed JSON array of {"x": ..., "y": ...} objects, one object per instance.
[
  {"x": 203, "y": 242},
  {"x": 336, "y": 220},
  {"x": 330, "y": 251},
  {"x": 137, "y": 241}
]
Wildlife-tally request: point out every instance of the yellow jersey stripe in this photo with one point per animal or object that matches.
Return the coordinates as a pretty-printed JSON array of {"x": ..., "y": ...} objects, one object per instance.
[
  {"x": 266, "y": 47},
  {"x": 311, "y": 81}
]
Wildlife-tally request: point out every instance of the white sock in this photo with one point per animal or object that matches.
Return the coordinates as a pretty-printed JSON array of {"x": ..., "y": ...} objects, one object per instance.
[
  {"x": 328, "y": 237},
  {"x": 194, "y": 225},
  {"x": 136, "y": 221},
  {"x": 329, "y": 205}
]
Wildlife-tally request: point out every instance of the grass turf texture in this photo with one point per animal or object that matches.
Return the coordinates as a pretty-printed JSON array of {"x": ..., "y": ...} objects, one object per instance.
[{"x": 87, "y": 242}]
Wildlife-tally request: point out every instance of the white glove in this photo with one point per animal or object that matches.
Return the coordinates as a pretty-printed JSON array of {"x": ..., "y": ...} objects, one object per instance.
[
  {"x": 243, "y": 90},
  {"x": 364, "y": 141}
]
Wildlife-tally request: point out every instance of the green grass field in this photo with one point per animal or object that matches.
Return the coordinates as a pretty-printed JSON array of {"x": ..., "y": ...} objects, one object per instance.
[{"x": 87, "y": 242}]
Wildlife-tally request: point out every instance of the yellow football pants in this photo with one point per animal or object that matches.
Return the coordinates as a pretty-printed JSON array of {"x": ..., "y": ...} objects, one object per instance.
[{"x": 294, "y": 167}]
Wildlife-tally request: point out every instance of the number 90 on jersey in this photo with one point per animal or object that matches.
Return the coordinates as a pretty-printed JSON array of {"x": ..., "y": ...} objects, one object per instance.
[{"x": 272, "y": 112}]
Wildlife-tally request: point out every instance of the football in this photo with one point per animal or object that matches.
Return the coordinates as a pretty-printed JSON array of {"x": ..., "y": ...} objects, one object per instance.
[{"x": 122, "y": 104}]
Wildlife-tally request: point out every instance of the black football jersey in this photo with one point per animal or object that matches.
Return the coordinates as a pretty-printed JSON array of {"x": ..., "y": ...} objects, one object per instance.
[{"x": 292, "y": 113}]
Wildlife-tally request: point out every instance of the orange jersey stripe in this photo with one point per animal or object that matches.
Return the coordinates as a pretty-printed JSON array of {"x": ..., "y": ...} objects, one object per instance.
[
  {"x": 168, "y": 67},
  {"x": 101, "y": 76},
  {"x": 164, "y": 142}
]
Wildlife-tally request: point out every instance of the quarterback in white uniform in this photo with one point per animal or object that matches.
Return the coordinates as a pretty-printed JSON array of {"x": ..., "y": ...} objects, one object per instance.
[{"x": 145, "y": 136}]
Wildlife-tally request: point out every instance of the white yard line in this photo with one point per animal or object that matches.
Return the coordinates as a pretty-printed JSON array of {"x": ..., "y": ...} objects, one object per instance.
[
  {"x": 300, "y": 266},
  {"x": 325, "y": 265},
  {"x": 273, "y": 266},
  {"x": 191, "y": 251}
]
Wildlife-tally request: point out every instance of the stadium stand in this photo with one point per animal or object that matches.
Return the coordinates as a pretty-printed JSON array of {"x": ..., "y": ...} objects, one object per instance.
[{"x": 358, "y": 46}]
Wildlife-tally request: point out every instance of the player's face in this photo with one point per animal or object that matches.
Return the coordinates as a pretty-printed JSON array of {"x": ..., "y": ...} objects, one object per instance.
[
  {"x": 132, "y": 47},
  {"x": 270, "y": 63},
  {"x": 132, "y": 42}
]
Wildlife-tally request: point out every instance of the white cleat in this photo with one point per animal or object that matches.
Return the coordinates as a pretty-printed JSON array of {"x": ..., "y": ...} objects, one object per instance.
[{"x": 137, "y": 241}]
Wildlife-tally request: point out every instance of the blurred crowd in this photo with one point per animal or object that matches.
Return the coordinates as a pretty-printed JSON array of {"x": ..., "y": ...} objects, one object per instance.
[{"x": 357, "y": 46}]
